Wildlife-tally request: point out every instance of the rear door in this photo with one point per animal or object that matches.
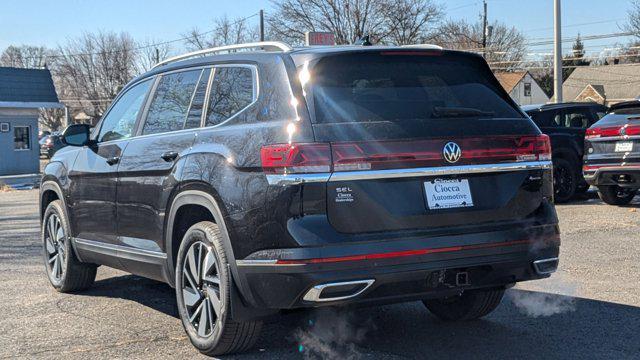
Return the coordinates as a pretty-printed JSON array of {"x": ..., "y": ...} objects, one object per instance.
[
  {"x": 422, "y": 140},
  {"x": 148, "y": 167}
]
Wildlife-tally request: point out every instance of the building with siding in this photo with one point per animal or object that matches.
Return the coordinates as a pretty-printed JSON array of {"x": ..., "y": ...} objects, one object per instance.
[
  {"x": 606, "y": 84},
  {"x": 522, "y": 87},
  {"x": 23, "y": 92}
]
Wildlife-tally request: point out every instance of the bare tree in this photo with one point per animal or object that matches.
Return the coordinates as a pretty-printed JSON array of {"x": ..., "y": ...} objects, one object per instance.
[
  {"x": 633, "y": 25},
  {"x": 24, "y": 56},
  {"x": 150, "y": 53},
  {"x": 225, "y": 32},
  {"x": 385, "y": 21},
  {"x": 506, "y": 46},
  {"x": 93, "y": 68}
]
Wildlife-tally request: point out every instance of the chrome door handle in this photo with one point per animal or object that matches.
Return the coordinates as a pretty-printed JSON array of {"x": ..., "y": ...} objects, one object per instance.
[{"x": 169, "y": 156}]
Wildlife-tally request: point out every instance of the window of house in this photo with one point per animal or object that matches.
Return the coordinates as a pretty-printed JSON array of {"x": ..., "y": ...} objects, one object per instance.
[
  {"x": 231, "y": 91},
  {"x": 527, "y": 89},
  {"x": 170, "y": 105},
  {"x": 21, "y": 138},
  {"x": 121, "y": 118}
]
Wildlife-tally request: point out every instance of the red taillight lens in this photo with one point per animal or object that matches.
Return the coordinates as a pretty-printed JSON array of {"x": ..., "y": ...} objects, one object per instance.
[
  {"x": 381, "y": 155},
  {"x": 296, "y": 158},
  {"x": 610, "y": 131}
]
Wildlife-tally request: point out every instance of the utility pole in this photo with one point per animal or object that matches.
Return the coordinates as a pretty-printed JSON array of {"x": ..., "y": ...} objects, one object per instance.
[
  {"x": 485, "y": 30},
  {"x": 157, "y": 55},
  {"x": 557, "y": 47},
  {"x": 261, "y": 25}
]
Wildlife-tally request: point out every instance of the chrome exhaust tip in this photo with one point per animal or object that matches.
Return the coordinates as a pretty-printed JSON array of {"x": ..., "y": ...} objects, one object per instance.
[
  {"x": 337, "y": 291},
  {"x": 546, "y": 266}
]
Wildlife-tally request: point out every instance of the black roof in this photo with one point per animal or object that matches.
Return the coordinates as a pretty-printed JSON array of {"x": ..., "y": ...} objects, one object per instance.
[
  {"x": 625, "y": 105},
  {"x": 555, "y": 106},
  {"x": 26, "y": 86}
]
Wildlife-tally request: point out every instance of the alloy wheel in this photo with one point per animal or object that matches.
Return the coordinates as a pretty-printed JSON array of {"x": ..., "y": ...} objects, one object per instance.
[
  {"x": 201, "y": 288},
  {"x": 563, "y": 181},
  {"x": 55, "y": 247}
]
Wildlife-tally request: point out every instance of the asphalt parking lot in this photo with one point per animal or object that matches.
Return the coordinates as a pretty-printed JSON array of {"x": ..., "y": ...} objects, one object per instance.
[{"x": 589, "y": 309}]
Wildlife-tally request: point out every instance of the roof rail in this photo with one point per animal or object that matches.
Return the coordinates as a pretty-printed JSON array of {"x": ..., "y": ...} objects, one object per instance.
[
  {"x": 275, "y": 45},
  {"x": 424, "y": 46}
]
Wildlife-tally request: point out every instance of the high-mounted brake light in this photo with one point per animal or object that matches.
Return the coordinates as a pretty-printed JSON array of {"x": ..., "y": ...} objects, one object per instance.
[{"x": 383, "y": 155}]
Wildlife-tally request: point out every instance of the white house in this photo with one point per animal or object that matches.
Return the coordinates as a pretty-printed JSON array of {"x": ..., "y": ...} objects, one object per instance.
[{"x": 522, "y": 87}]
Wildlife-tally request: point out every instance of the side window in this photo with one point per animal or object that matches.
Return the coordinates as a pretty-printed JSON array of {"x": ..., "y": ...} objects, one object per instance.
[
  {"x": 576, "y": 118},
  {"x": 121, "y": 119},
  {"x": 170, "y": 104},
  {"x": 21, "y": 138},
  {"x": 527, "y": 89},
  {"x": 197, "y": 103},
  {"x": 543, "y": 118},
  {"x": 231, "y": 91}
]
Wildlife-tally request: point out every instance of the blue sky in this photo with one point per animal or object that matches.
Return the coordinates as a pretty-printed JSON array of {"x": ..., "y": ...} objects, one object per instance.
[{"x": 47, "y": 22}]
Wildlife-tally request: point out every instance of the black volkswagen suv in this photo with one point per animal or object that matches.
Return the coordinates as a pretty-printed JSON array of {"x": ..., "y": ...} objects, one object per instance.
[
  {"x": 612, "y": 154},
  {"x": 280, "y": 178},
  {"x": 566, "y": 125}
]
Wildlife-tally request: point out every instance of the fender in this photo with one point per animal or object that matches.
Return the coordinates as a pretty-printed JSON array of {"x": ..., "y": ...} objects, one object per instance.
[
  {"x": 52, "y": 185},
  {"x": 239, "y": 291}
]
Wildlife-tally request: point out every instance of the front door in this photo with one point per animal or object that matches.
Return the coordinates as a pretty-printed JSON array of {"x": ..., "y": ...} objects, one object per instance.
[
  {"x": 148, "y": 166},
  {"x": 93, "y": 177}
]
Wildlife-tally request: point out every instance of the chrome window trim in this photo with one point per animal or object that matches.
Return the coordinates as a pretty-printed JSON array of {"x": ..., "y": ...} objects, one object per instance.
[{"x": 295, "y": 179}]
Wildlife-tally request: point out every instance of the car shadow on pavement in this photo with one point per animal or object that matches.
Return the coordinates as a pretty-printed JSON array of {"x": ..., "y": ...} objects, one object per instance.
[{"x": 528, "y": 324}]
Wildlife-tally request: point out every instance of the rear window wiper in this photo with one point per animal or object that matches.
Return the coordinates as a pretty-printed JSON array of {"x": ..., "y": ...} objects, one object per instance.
[{"x": 442, "y": 112}]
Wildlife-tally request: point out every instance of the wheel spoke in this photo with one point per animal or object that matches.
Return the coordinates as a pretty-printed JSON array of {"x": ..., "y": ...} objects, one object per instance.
[
  {"x": 211, "y": 312},
  {"x": 204, "y": 318},
  {"x": 195, "y": 313},
  {"x": 193, "y": 265},
  {"x": 190, "y": 297},
  {"x": 209, "y": 264},
  {"x": 214, "y": 298},
  {"x": 56, "y": 267},
  {"x": 51, "y": 226},
  {"x": 53, "y": 258},
  {"x": 51, "y": 249}
]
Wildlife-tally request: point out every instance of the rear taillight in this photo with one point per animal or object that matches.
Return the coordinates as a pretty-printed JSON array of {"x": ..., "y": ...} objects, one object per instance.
[
  {"x": 296, "y": 158},
  {"x": 611, "y": 131},
  {"x": 382, "y": 155}
]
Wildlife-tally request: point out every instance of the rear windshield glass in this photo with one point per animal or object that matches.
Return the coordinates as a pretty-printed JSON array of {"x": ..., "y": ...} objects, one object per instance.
[{"x": 386, "y": 86}]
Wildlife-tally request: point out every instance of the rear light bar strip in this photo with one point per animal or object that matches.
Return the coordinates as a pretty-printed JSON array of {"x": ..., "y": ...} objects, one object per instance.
[
  {"x": 612, "y": 131},
  {"x": 391, "y": 255},
  {"x": 295, "y": 179}
]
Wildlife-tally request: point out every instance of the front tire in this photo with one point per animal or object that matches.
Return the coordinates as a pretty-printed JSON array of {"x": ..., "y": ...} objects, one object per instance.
[
  {"x": 203, "y": 286},
  {"x": 616, "y": 195},
  {"x": 65, "y": 272},
  {"x": 470, "y": 305}
]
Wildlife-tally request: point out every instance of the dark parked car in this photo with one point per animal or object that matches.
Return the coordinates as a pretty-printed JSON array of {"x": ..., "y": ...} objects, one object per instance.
[
  {"x": 566, "y": 124},
  {"x": 612, "y": 155},
  {"x": 282, "y": 178},
  {"x": 49, "y": 144}
]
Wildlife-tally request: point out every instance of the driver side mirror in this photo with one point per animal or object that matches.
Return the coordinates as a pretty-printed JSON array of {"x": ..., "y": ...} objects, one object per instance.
[{"x": 77, "y": 135}]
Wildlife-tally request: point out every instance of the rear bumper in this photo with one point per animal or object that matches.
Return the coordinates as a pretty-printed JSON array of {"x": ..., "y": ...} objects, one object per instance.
[
  {"x": 397, "y": 271},
  {"x": 624, "y": 176}
]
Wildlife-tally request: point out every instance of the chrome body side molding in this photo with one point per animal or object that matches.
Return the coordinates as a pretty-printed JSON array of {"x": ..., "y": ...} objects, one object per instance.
[{"x": 124, "y": 252}]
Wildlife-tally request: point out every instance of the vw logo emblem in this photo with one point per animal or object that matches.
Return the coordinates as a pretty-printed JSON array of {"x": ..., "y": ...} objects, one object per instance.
[{"x": 452, "y": 152}]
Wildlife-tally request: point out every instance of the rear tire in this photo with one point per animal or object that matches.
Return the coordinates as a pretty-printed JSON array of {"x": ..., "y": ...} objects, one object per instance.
[
  {"x": 65, "y": 272},
  {"x": 615, "y": 195},
  {"x": 203, "y": 287},
  {"x": 564, "y": 180},
  {"x": 470, "y": 305}
]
